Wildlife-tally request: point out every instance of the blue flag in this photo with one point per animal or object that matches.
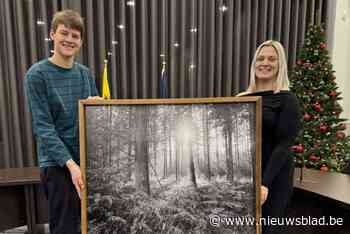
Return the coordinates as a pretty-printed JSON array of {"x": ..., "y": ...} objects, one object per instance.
[{"x": 163, "y": 83}]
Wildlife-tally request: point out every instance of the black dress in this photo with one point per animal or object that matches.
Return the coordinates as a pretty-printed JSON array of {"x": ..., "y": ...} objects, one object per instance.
[{"x": 280, "y": 126}]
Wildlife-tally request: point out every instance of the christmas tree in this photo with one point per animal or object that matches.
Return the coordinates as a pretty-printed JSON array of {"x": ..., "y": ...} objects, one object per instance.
[{"x": 323, "y": 144}]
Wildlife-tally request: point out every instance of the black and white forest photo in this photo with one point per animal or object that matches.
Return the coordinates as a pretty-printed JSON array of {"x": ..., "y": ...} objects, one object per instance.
[{"x": 169, "y": 168}]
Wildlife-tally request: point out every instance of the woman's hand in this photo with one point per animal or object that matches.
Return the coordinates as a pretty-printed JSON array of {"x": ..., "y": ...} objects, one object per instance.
[{"x": 264, "y": 191}]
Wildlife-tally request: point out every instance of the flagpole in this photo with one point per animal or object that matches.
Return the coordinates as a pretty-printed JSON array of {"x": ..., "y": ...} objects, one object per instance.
[
  {"x": 105, "y": 84},
  {"x": 163, "y": 81}
]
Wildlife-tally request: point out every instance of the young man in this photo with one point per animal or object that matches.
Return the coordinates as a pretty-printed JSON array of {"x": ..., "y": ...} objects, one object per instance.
[{"x": 53, "y": 87}]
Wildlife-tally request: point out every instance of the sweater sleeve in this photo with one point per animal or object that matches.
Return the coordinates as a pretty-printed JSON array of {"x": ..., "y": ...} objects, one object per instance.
[
  {"x": 43, "y": 125},
  {"x": 288, "y": 127}
]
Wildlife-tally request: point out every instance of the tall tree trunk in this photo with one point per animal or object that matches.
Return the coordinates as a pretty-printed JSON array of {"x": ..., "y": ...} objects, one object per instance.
[
  {"x": 165, "y": 161},
  {"x": 129, "y": 160},
  {"x": 165, "y": 164},
  {"x": 207, "y": 144},
  {"x": 118, "y": 155},
  {"x": 192, "y": 170},
  {"x": 170, "y": 152},
  {"x": 238, "y": 160},
  {"x": 132, "y": 139},
  {"x": 198, "y": 139},
  {"x": 230, "y": 154},
  {"x": 236, "y": 147},
  {"x": 226, "y": 155},
  {"x": 154, "y": 144},
  {"x": 182, "y": 161},
  {"x": 141, "y": 156},
  {"x": 177, "y": 159},
  {"x": 228, "y": 139},
  {"x": 217, "y": 149},
  {"x": 177, "y": 162}
]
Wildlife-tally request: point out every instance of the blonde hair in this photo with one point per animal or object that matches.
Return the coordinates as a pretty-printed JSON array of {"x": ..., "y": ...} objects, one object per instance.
[{"x": 282, "y": 81}]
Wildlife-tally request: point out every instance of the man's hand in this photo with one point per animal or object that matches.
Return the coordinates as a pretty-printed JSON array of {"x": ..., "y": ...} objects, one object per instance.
[
  {"x": 95, "y": 98},
  {"x": 264, "y": 191},
  {"x": 77, "y": 178}
]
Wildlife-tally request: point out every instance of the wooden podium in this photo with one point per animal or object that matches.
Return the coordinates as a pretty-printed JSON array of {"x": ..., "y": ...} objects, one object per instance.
[{"x": 21, "y": 199}]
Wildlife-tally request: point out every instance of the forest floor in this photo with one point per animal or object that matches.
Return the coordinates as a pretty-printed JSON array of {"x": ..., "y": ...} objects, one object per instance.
[{"x": 172, "y": 207}]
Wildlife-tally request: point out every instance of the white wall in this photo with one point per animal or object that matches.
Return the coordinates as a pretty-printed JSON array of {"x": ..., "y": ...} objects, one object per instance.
[{"x": 341, "y": 54}]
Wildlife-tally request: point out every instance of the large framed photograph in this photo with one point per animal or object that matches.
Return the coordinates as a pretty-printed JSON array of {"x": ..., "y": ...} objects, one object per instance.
[{"x": 171, "y": 165}]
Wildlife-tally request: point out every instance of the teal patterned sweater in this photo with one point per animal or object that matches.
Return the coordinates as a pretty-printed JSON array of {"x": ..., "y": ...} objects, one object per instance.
[{"x": 53, "y": 93}]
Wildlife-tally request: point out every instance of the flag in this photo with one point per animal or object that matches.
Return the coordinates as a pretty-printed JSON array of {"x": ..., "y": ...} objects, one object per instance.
[
  {"x": 106, "y": 94},
  {"x": 163, "y": 83}
]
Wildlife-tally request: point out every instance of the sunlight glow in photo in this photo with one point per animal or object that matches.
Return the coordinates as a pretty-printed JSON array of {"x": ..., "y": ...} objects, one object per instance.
[{"x": 185, "y": 132}]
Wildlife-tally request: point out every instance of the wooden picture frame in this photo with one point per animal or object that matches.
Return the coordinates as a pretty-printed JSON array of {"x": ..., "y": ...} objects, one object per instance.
[{"x": 170, "y": 165}]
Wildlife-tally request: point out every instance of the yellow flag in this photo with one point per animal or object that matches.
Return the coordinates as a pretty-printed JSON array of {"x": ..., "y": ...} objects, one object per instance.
[{"x": 106, "y": 94}]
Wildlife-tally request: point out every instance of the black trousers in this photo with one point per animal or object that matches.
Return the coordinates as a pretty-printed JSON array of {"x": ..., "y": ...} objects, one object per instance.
[{"x": 63, "y": 200}]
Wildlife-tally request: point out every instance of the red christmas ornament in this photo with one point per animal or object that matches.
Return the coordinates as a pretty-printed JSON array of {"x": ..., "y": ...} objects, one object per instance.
[
  {"x": 332, "y": 94},
  {"x": 299, "y": 62},
  {"x": 340, "y": 135},
  {"x": 324, "y": 168},
  {"x": 307, "y": 117},
  {"x": 297, "y": 148},
  {"x": 300, "y": 148},
  {"x": 294, "y": 148},
  {"x": 307, "y": 65},
  {"x": 342, "y": 126},
  {"x": 317, "y": 107},
  {"x": 323, "y": 128},
  {"x": 313, "y": 157},
  {"x": 323, "y": 45}
]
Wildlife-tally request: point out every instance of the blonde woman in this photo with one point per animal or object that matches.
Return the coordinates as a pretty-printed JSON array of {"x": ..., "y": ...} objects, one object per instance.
[{"x": 280, "y": 126}]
